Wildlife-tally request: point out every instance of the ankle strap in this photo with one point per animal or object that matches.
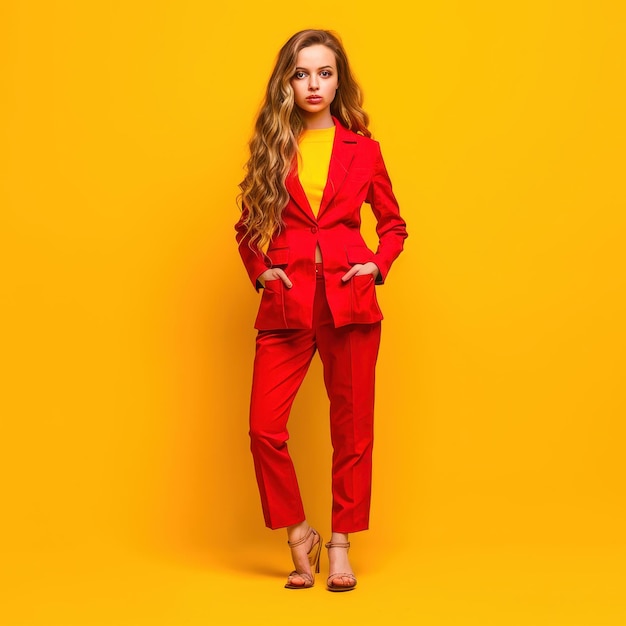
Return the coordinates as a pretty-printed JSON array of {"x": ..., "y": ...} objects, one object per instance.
[
  {"x": 330, "y": 544},
  {"x": 298, "y": 542}
]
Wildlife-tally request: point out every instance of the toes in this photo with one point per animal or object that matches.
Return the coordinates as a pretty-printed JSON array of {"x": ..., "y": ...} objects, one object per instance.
[{"x": 296, "y": 579}]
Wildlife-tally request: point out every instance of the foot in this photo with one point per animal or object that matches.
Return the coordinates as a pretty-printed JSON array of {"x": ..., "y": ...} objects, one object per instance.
[
  {"x": 302, "y": 576},
  {"x": 341, "y": 574}
]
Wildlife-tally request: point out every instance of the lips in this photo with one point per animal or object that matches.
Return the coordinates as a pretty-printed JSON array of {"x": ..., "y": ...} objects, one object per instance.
[{"x": 314, "y": 99}]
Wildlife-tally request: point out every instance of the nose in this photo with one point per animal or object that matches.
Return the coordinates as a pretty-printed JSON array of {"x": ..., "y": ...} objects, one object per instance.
[{"x": 313, "y": 84}]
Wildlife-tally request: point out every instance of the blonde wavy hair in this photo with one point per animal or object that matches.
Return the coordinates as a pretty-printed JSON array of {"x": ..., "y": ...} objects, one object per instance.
[{"x": 278, "y": 126}]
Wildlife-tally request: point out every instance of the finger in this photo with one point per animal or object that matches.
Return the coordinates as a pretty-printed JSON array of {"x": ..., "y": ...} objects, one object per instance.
[
  {"x": 350, "y": 273},
  {"x": 284, "y": 278}
]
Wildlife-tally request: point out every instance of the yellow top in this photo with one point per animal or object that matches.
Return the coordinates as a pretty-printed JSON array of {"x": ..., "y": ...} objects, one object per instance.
[{"x": 316, "y": 146}]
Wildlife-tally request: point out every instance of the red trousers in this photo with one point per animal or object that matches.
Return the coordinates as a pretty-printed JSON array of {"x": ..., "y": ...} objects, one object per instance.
[{"x": 282, "y": 359}]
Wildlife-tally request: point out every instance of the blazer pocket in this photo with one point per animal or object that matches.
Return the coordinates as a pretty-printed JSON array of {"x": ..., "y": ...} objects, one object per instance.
[
  {"x": 271, "y": 312},
  {"x": 273, "y": 285},
  {"x": 279, "y": 257},
  {"x": 364, "y": 304}
]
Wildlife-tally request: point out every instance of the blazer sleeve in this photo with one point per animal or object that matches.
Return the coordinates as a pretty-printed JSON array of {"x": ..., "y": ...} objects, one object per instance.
[
  {"x": 390, "y": 227},
  {"x": 254, "y": 260}
]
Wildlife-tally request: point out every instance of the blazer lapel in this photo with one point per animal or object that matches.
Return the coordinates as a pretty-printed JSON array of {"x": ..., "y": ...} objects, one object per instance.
[
  {"x": 344, "y": 146},
  {"x": 295, "y": 190},
  {"x": 341, "y": 157}
]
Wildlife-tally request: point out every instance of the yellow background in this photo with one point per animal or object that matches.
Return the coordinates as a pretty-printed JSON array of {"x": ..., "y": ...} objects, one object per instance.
[{"x": 128, "y": 494}]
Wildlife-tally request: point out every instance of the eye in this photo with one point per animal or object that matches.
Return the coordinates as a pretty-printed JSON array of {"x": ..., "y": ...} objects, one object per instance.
[
  {"x": 299, "y": 75},
  {"x": 326, "y": 73}
]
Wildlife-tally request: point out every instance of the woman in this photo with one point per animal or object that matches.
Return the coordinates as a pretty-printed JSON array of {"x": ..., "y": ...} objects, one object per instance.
[{"x": 312, "y": 165}]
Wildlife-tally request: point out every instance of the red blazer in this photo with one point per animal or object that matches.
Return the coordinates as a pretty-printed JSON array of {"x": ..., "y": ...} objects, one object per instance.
[{"x": 356, "y": 174}]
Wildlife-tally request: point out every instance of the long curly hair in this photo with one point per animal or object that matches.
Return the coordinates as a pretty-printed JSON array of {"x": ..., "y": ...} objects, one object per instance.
[{"x": 278, "y": 126}]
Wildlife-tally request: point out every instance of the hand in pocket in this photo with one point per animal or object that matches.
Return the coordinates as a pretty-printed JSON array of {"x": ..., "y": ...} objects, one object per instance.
[
  {"x": 275, "y": 273},
  {"x": 361, "y": 269}
]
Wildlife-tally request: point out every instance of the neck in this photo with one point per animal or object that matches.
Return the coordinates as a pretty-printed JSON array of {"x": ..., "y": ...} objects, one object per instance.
[{"x": 316, "y": 121}]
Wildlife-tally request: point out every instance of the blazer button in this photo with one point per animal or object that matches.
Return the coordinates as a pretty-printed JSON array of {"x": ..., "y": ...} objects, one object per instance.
[{"x": 313, "y": 229}]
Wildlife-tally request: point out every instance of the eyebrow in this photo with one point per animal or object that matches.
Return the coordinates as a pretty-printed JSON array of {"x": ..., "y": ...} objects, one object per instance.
[{"x": 324, "y": 67}]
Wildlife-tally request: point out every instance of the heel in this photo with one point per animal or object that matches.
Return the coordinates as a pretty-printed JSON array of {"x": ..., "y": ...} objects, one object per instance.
[{"x": 318, "y": 556}]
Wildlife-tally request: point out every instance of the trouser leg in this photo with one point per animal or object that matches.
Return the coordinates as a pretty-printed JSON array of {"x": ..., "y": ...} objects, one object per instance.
[
  {"x": 281, "y": 361},
  {"x": 349, "y": 355}
]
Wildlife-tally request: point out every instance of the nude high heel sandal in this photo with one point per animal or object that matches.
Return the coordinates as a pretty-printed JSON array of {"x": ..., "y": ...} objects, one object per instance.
[
  {"x": 314, "y": 560},
  {"x": 351, "y": 577}
]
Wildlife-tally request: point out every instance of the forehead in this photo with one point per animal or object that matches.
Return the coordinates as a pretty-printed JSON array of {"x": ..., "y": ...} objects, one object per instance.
[{"x": 315, "y": 56}]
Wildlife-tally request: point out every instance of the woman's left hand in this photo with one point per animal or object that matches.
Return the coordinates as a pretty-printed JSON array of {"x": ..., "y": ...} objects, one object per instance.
[{"x": 361, "y": 269}]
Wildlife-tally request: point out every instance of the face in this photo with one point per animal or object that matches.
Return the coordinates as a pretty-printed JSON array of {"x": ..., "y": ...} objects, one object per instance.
[{"x": 315, "y": 83}]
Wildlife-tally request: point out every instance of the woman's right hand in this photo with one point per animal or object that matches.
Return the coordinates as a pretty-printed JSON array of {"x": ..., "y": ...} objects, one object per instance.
[{"x": 274, "y": 273}]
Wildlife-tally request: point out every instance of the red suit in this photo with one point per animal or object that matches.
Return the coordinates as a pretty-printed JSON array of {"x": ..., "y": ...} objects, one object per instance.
[{"x": 320, "y": 311}]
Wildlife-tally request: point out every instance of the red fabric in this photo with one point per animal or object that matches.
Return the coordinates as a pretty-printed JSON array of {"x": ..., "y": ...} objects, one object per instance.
[
  {"x": 282, "y": 359},
  {"x": 357, "y": 174}
]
